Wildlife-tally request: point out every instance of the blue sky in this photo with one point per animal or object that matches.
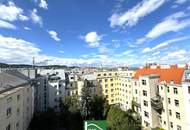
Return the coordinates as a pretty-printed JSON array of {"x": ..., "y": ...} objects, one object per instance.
[{"x": 95, "y": 32}]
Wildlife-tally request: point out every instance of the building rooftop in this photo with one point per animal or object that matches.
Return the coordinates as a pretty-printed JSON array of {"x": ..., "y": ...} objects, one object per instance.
[
  {"x": 168, "y": 74},
  {"x": 11, "y": 79}
]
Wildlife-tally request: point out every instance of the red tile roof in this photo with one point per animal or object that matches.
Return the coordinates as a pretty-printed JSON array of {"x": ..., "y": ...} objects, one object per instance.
[{"x": 167, "y": 74}]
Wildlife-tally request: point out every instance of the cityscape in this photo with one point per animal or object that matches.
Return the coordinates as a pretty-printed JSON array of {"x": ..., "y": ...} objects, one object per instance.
[{"x": 94, "y": 65}]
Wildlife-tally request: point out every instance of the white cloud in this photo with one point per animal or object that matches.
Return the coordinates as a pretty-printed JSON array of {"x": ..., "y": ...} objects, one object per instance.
[
  {"x": 164, "y": 44},
  {"x": 180, "y": 55},
  {"x": 93, "y": 39},
  {"x": 7, "y": 25},
  {"x": 132, "y": 16},
  {"x": 61, "y": 52},
  {"x": 156, "y": 53},
  {"x": 53, "y": 35},
  {"x": 180, "y": 1},
  {"x": 172, "y": 23},
  {"x": 35, "y": 17},
  {"x": 17, "y": 50},
  {"x": 27, "y": 28},
  {"x": 11, "y": 12},
  {"x": 43, "y": 4}
]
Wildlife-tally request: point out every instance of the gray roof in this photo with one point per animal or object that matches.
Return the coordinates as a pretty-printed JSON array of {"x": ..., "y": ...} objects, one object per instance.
[{"x": 12, "y": 78}]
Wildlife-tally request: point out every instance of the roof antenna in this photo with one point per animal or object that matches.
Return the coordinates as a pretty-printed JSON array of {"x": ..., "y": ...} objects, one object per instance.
[{"x": 33, "y": 62}]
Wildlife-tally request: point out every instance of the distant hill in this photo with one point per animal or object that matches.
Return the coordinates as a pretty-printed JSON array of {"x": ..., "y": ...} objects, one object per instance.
[{"x": 3, "y": 65}]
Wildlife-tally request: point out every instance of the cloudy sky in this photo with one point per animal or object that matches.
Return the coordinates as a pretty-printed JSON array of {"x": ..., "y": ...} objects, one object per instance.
[{"x": 95, "y": 32}]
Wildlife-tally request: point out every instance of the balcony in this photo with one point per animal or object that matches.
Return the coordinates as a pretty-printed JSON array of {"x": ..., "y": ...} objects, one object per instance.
[{"x": 156, "y": 103}]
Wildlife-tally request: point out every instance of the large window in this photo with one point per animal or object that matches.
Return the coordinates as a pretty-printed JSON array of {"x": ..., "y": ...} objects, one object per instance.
[
  {"x": 171, "y": 124},
  {"x": 169, "y": 101},
  {"x": 144, "y": 93},
  {"x": 9, "y": 111},
  {"x": 189, "y": 89},
  {"x": 176, "y": 103},
  {"x": 143, "y": 82},
  {"x": 146, "y": 114},
  {"x": 18, "y": 97},
  {"x": 145, "y": 103},
  {"x": 175, "y": 91},
  {"x": 177, "y": 115},
  {"x": 170, "y": 112}
]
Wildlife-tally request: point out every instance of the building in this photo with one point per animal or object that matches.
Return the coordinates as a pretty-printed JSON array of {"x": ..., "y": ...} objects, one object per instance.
[
  {"x": 16, "y": 101},
  {"x": 50, "y": 89},
  {"x": 164, "y": 96},
  {"x": 117, "y": 86}
]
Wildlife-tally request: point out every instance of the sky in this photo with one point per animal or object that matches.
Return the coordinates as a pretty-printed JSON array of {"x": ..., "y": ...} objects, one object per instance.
[{"x": 95, "y": 32}]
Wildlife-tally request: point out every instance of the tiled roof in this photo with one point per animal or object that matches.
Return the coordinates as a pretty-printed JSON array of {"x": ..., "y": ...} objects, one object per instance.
[{"x": 166, "y": 74}]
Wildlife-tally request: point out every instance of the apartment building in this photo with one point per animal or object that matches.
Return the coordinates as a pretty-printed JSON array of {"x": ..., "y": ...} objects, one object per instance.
[
  {"x": 117, "y": 86},
  {"x": 76, "y": 83},
  {"x": 50, "y": 89},
  {"x": 164, "y": 96},
  {"x": 16, "y": 101}
]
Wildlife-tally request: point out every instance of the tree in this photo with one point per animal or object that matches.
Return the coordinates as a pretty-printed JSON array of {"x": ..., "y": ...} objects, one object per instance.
[
  {"x": 121, "y": 120},
  {"x": 70, "y": 114},
  {"x": 117, "y": 119},
  {"x": 97, "y": 107},
  {"x": 85, "y": 101}
]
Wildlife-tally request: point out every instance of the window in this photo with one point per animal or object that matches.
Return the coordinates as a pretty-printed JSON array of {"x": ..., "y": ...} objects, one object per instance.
[
  {"x": 27, "y": 89},
  {"x": 144, "y": 93},
  {"x": 146, "y": 114},
  {"x": 143, "y": 82},
  {"x": 177, "y": 115},
  {"x": 178, "y": 127},
  {"x": 18, "y": 111},
  {"x": 136, "y": 91},
  {"x": 106, "y": 80},
  {"x": 175, "y": 91},
  {"x": 18, "y": 97},
  {"x": 189, "y": 89},
  {"x": 169, "y": 101},
  {"x": 9, "y": 99},
  {"x": 111, "y": 79},
  {"x": 99, "y": 74},
  {"x": 17, "y": 125},
  {"x": 135, "y": 83},
  {"x": 145, "y": 103},
  {"x": 170, "y": 112},
  {"x": 8, "y": 127},
  {"x": 176, "y": 103},
  {"x": 112, "y": 84},
  {"x": 105, "y": 74},
  {"x": 168, "y": 89},
  {"x": 110, "y": 74},
  {"x": 171, "y": 124},
  {"x": 9, "y": 111}
]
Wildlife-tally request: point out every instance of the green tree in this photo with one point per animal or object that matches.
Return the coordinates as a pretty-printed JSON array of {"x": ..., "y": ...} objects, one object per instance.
[
  {"x": 122, "y": 120},
  {"x": 85, "y": 100},
  {"x": 117, "y": 119},
  {"x": 97, "y": 107}
]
